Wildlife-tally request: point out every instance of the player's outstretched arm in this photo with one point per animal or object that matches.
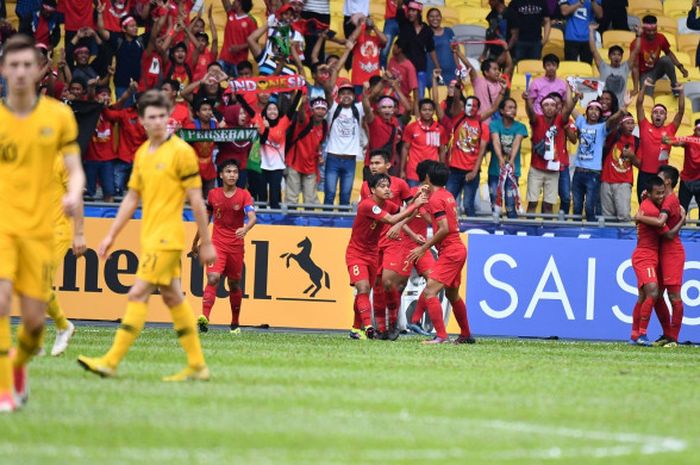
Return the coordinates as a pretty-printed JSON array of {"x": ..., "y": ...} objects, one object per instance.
[
  {"x": 126, "y": 211},
  {"x": 207, "y": 254},
  {"x": 76, "y": 183}
]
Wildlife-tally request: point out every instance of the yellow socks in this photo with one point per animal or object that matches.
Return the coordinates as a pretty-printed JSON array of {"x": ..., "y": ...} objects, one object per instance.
[
  {"x": 128, "y": 331},
  {"x": 55, "y": 312},
  {"x": 184, "y": 323},
  {"x": 6, "y": 381},
  {"x": 27, "y": 345}
]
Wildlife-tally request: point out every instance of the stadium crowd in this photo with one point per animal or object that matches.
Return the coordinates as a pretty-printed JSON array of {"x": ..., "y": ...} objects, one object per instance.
[{"x": 526, "y": 85}]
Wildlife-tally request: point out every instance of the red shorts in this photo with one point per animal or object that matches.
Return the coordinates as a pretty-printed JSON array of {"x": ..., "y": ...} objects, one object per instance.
[
  {"x": 394, "y": 259},
  {"x": 228, "y": 263},
  {"x": 448, "y": 268},
  {"x": 645, "y": 262},
  {"x": 671, "y": 264},
  {"x": 425, "y": 264},
  {"x": 361, "y": 268}
]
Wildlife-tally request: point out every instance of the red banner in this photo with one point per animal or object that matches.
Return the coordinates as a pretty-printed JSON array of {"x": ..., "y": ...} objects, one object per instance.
[{"x": 268, "y": 84}]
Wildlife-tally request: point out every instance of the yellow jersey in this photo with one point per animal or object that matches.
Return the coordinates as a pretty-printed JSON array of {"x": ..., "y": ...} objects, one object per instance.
[
  {"x": 162, "y": 178},
  {"x": 29, "y": 146},
  {"x": 61, "y": 222}
]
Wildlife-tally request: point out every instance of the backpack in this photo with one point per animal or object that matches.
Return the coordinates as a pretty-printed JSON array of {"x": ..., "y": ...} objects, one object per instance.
[
  {"x": 338, "y": 109},
  {"x": 290, "y": 140}
]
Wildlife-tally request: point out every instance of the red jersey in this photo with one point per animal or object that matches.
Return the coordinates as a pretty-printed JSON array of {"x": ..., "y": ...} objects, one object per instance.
[
  {"x": 77, "y": 14},
  {"x": 151, "y": 71},
  {"x": 400, "y": 193},
  {"x": 652, "y": 151},
  {"x": 131, "y": 133},
  {"x": 204, "y": 151},
  {"x": 237, "y": 29},
  {"x": 101, "y": 147},
  {"x": 364, "y": 239},
  {"x": 672, "y": 207},
  {"x": 41, "y": 33},
  {"x": 179, "y": 117},
  {"x": 468, "y": 135},
  {"x": 115, "y": 11},
  {"x": 691, "y": 162},
  {"x": 616, "y": 169},
  {"x": 365, "y": 61},
  {"x": 442, "y": 205},
  {"x": 380, "y": 133},
  {"x": 417, "y": 224},
  {"x": 425, "y": 141},
  {"x": 228, "y": 213},
  {"x": 548, "y": 142},
  {"x": 304, "y": 153},
  {"x": 648, "y": 236},
  {"x": 650, "y": 51},
  {"x": 390, "y": 10},
  {"x": 405, "y": 73},
  {"x": 180, "y": 74}
]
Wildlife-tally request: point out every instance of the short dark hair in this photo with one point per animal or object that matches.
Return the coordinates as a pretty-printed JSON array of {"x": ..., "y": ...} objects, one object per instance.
[
  {"x": 246, "y": 5},
  {"x": 438, "y": 174},
  {"x": 423, "y": 168},
  {"x": 374, "y": 80},
  {"x": 697, "y": 121},
  {"x": 200, "y": 102},
  {"x": 649, "y": 19},
  {"x": 550, "y": 58},
  {"x": 229, "y": 162},
  {"x": 653, "y": 182},
  {"x": 374, "y": 179},
  {"x": 616, "y": 48},
  {"x": 331, "y": 56},
  {"x": 180, "y": 44},
  {"x": 555, "y": 96},
  {"x": 486, "y": 64},
  {"x": 80, "y": 81},
  {"x": 426, "y": 101},
  {"x": 506, "y": 100},
  {"x": 670, "y": 172},
  {"x": 245, "y": 64},
  {"x": 380, "y": 153},
  {"x": 473, "y": 97},
  {"x": 18, "y": 43},
  {"x": 174, "y": 83},
  {"x": 152, "y": 98}
]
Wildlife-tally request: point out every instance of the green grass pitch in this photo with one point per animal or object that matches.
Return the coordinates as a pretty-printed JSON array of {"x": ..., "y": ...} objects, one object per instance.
[{"x": 292, "y": 398}]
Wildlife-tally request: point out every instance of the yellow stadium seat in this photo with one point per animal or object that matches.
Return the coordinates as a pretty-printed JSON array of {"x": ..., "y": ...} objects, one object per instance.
[
  {"x": 693, "y": 74},
  {"x": 676, "y": 8},
  {"x": 376, "y": 10},
  {"x": 621, "y": 38},
  {"x": 554, "y": 48},
  {"x": 517, "y": 85},
  {"x": 473, "y": 16},
  {"x": 530, "y": 66},
  {"x": 645, "y": 7},
  {"x": 667, "y": 25},
  {"x": 685, "y": 59},
  {"x": 662, "y": 88},
  {"x": 450, "y": 16},
  {"x": 575, "y": 68},
  {"x": 688, "y": 43},
  {"x": 672, "y": 41},
  {"x": 556, "y": 35}
]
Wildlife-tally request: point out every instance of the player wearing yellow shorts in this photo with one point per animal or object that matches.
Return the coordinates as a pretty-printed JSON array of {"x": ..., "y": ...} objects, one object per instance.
[
  {"x": 165, "y": 172},
  {"x": 66, "y": 237},
  {"x": 34, "y": 131}
]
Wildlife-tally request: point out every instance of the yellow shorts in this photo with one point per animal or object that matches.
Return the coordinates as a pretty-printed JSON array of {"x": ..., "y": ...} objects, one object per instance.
[
  {"x": 26, "y": 262},
  {"x": 159, "y": 267}
]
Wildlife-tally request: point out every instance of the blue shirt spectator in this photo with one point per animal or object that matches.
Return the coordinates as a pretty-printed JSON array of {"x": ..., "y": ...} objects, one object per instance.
[
  {"x": 579, "y": 14},
  {"x": 591, "y": 142}
]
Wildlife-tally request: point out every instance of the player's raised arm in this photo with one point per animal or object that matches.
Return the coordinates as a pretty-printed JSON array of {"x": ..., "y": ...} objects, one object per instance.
[{"x": 207, "y": 255}]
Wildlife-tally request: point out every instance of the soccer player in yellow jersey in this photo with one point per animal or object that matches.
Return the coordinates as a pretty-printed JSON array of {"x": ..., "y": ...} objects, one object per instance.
[
  {"x": 66, "y": 236},
  {"x": 34, "y": 131},
  {"x": 165, "y": 172}
]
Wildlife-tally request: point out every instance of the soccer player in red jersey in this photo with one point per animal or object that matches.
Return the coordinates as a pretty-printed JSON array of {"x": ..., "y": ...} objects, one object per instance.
[
  {"x": 362, "y": 252},
  {"x": 452, "y": 255},
  {"x": 671, "y": 263},
  {"x": 651, "y": 224},
  {"x": 228, "y": 206},
  {"x": 385, "y": 293}
]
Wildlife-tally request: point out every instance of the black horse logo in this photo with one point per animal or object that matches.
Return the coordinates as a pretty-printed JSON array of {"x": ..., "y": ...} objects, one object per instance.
[{"x": 303, "y": 258}]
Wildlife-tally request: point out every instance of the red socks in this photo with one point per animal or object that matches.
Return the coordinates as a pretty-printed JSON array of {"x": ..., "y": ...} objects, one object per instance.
[
  {"x": 420, "y": 309},
  {"x": 357, "y": 321},
  {"x": 663, "y": 314},
  {"x": 379, "y": 307},
  {"x": 208, "y": 300},
  {"x": 392, "y": 304},
  {"x": 235, "y": 298},
  {"x": 364, "y": 307},
  {"x": 635, "y": 320},
  {"x": 645, "y": 314},
  {"x": 459, "y": 309},
  {"x": 435, "y": 312},
  {"x": 677, "y": 318}
]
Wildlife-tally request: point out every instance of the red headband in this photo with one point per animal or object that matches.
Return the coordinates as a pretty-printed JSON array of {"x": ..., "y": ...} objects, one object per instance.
[
  {"x": 415, "y": 6},
  {"x": 594, "y": 104},
  {"x": 81, "y": 49},
  {"x": 628, "y": 118},
  {"x": 127, "y": 20},
  {"x": 658, "y": 105}
]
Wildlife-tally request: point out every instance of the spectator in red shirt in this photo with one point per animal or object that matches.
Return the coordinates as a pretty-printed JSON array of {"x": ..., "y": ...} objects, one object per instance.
[
  {"x": 204, "y": 119},
  {"x": 304, "y": 151},
  {"x": 617, "y": 178},
  {"x": 199, "y": 51},
  {"x": 650, "y": 64},
  {"x": 690, "y": 176},
  {"x": 236, "y": 116},
  {"x": 100, "y": 155},
  {"x": 77, "y": 14},
  {"x": 178, "y": 69},
  {"x": 239, "y": 25},
  {"x": 653, "y": 151},
  {"x": 403, "y": 70},
  {"x": 370, "y": 41},
  {"x": 423, "y": 139},
  {"x": 44, "y": 25},
  {"x": 180, "y": 114}
]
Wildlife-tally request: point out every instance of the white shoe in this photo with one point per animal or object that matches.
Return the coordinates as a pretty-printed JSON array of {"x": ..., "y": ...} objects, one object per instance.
[{"x": 62, "y": 338}]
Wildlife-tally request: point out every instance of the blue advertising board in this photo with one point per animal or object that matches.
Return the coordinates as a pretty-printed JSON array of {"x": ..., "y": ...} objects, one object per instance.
[{"x": 565, "y": 287}]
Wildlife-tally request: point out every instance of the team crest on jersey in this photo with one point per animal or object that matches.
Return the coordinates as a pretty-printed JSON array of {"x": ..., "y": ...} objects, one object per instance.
[
  {"x": 237, "y": 207},
  {"x": 376, "y": 210},
  {"x": 160, "y": 166},
  {"x": 46, "y": 131}
]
